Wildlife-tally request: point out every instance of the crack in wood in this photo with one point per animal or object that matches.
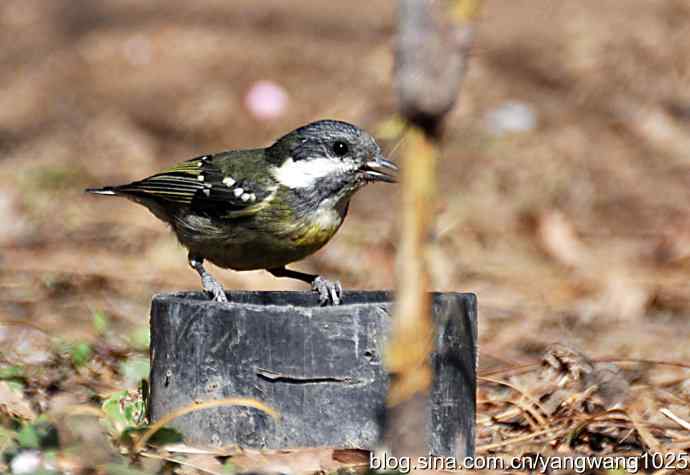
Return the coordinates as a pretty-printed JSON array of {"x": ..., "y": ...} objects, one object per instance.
[{"x": 277, "y": 377}]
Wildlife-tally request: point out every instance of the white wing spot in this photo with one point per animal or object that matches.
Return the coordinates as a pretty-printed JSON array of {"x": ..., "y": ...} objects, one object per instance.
[
  {"x": 246, "y": 196},
  {"x": 200, "y": 177},
  {"x": 207, "y": 192},
  {"x": 228, "y": 181},
  {"x": 238, "y": 192}
]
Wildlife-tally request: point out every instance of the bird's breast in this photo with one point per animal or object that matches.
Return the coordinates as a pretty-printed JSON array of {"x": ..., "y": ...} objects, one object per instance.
[
  {"x": 272, "y": 238},
  {"x": 317, "y": 227}
]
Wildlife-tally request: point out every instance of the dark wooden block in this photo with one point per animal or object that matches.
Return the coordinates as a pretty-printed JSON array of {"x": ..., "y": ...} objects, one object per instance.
[{"x": 320, "y": 367}]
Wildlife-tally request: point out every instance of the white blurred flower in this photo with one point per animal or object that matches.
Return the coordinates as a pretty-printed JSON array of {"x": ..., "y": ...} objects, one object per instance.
[
  {"x": 266, "y": 100},
  {"x": 28, "y": 461},
  {"x": 511, "y": 117}
]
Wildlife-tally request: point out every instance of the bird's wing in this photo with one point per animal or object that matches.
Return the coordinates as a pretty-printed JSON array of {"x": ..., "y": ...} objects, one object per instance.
[{"x": 206, "y": 185}]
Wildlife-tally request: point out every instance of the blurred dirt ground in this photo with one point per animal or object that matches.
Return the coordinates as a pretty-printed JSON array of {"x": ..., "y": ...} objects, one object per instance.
[{"x": 576, "y": 231}]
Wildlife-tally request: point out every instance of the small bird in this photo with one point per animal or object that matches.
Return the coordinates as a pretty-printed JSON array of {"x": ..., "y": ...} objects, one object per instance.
[{"x": 267, "y": 207}]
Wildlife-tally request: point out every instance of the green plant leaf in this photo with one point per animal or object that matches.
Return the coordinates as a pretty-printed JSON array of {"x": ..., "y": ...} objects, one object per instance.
[
  {"x": 100, "y": 322},
  {"x": 164, "y": 436},
  {"x": 28, "y": 437},
  {"x": 14, "y": 377},
  {"x": 140, "y": 338},
  {"x": 134, "y": 370},
  {"x": 80, "y": 353},
  {"x": 40, "y": 434},
  {"x": 229, "y": 468},
  {"x": 7, "y": 438},
  {"x": 124, "y": 410},
  {"x": 11, "y": 373}
]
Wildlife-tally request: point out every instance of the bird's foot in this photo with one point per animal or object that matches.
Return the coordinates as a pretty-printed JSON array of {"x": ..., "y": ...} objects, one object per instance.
[
  {"x": 213, "y": 288},
  {"x": 210, "y": 285},
  {"x": 329, "y": 292}
]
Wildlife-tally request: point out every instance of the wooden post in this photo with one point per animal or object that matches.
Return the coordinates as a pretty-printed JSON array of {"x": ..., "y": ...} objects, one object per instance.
[
  {"x": 321, "y": 368},
  {"x": 432, "y": 46}
]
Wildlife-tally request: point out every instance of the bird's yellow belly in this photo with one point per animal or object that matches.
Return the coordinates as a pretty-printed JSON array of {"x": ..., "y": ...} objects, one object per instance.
[
  {"x": 268, "y": 247},
  {"x": 318, "y": 229}
]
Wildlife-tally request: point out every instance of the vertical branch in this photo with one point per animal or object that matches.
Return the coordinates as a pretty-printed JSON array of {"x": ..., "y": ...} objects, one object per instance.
[
  {"x": 433, "y": 42},
  {"x": 434, "y": 39},
  {"x": 408, "y": 353}
]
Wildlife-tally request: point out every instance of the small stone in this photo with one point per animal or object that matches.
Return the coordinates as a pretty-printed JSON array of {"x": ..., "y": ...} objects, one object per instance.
[
  {"x": 511, "y": 117},
  {"x": 28, "y": 461},
  {"x": 15, "y": 227}
]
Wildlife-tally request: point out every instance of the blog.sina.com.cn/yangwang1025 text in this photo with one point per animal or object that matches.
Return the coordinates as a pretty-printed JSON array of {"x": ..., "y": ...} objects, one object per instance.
[{"x": 532, "y": 463}]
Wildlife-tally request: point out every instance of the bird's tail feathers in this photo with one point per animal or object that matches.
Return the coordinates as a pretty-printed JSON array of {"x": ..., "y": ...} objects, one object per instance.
[{"x": 106, "y": 190}]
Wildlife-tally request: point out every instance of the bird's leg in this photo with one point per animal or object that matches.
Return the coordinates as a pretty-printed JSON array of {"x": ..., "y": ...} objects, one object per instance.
[
  {"x": 211, "y": 285},
  {"x": 328, "y": 291}
]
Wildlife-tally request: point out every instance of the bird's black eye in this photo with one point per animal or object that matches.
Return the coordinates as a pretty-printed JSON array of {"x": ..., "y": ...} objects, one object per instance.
[{"x": 340, "y": 148}]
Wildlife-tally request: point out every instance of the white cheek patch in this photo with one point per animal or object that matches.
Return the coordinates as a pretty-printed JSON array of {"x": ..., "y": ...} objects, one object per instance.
[{"x": 306, "y": 173}]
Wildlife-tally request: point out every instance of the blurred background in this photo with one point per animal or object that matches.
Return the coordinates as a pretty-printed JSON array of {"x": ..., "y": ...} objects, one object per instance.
[{"x": 564, "y": 179}]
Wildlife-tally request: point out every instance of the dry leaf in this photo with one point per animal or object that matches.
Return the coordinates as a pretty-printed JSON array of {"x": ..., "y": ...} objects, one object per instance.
[
  {"x": 294, "y": 461},
  {"x": 351, "y": 456},
  {"x": 13, "y": 403},
  {"x": 558, "y": 238}
]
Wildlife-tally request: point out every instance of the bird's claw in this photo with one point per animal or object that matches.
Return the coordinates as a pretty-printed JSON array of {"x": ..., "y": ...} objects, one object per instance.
[
  {"x": 329, "y": 292},
  {"x": 213, "y": 288}
]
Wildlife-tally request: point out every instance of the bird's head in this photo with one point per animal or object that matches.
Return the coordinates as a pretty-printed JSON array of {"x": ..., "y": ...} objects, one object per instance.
[{"x": 329, "y": 155}]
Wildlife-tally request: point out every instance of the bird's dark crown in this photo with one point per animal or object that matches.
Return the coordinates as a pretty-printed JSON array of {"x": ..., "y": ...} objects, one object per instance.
[{"x": 321, "y": 139}]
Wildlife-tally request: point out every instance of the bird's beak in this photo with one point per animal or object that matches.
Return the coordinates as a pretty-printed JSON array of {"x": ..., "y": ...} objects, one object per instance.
[{"x": 376, "y": 168}]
